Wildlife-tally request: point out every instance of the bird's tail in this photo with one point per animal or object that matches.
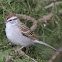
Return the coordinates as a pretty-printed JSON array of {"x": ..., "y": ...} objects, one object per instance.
[{"x": 41, "y": 42}]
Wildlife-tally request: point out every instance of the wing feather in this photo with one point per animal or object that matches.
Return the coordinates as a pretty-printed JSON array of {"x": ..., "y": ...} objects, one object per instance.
[{"x": 27, "y": 32}]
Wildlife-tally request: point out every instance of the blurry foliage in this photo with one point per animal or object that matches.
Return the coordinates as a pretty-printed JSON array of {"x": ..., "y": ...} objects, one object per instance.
[{"x": 51, "y": 34}]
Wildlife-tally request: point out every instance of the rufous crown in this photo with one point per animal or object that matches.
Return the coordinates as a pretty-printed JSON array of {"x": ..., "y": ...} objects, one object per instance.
[{"x": 9, "y": 16}]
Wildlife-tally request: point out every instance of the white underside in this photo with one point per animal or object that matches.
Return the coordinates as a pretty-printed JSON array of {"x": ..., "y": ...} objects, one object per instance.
[{"x": 15, "y": 36}]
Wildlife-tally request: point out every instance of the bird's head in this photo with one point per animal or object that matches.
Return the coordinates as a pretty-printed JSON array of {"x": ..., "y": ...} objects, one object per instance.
[{"x": 12, "y": 19}]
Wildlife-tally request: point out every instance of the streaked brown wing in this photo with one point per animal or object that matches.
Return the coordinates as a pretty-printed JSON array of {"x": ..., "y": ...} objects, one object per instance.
[{"x": 26, "y": 31}]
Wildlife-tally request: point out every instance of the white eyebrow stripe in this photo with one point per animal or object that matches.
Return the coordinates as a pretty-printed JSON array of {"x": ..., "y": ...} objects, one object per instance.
[{"x": 12, "y": 18}]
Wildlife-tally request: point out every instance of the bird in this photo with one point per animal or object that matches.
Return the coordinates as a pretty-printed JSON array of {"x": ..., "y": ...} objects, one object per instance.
[{"x": 19, "y": 34}]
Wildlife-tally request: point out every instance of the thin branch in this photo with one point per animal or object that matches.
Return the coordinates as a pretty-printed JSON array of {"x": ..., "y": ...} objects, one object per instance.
[
  {"x": 60, "y": 12},
  {"x": 45, "y": 18},
  {"x": 54, "y": 4},
  {"x": 56, "y": 55},
  {"x": 9, "y": 59},
  {"x": 50, "y": 5}
]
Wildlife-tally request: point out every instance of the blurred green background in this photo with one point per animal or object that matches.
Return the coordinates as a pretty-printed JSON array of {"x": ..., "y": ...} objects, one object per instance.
[{"x": 51, "y": 34}]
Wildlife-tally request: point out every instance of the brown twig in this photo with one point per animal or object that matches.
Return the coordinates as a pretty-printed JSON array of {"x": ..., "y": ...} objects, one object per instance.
[
  {"x": 56, "y": 55},
  {"x": 48, "y": 17},
  {"x": 60, "y": 12},
  {"x": 50, "y": 5},
  {"x": 9, "y": 59},
  {"x": 45, "y": 18},
  {"x": 54, "y": 4}
]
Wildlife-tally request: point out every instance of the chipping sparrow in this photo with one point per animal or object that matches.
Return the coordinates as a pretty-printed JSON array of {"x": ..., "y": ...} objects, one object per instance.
[{"x": 19, "y": 34}]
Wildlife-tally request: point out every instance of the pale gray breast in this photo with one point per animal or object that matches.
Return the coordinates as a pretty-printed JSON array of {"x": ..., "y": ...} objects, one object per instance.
[{"x": 15, "y": 36}]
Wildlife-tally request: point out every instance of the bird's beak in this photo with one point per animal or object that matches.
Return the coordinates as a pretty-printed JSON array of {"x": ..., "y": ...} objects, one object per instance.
[{"x": 6, "y": 22}]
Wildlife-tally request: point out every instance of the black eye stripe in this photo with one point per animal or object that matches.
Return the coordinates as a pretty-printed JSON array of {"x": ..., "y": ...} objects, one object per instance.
[
  {"x": 15, "y": 19},
  {"x": 10, "y": 20}
]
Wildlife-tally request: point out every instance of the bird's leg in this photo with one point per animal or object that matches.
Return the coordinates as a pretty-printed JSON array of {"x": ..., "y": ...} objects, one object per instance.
[
  {"x": 27, "y": 50},
  {"x": 21, "y": 49},
  {"x": 24, "y": 49}
]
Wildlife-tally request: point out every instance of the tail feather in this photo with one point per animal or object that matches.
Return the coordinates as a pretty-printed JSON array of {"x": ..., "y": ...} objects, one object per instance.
[{"x": 40, "y": 42}]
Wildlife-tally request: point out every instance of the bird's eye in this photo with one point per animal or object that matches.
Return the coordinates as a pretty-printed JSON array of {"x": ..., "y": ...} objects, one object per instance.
[
  {"x": 15, "y": 19},
  {"x": 10, "y": 20}
]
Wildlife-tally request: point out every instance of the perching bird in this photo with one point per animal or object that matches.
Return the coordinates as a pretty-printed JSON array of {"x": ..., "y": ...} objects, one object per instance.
[{"x": 19, "y": 34}]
